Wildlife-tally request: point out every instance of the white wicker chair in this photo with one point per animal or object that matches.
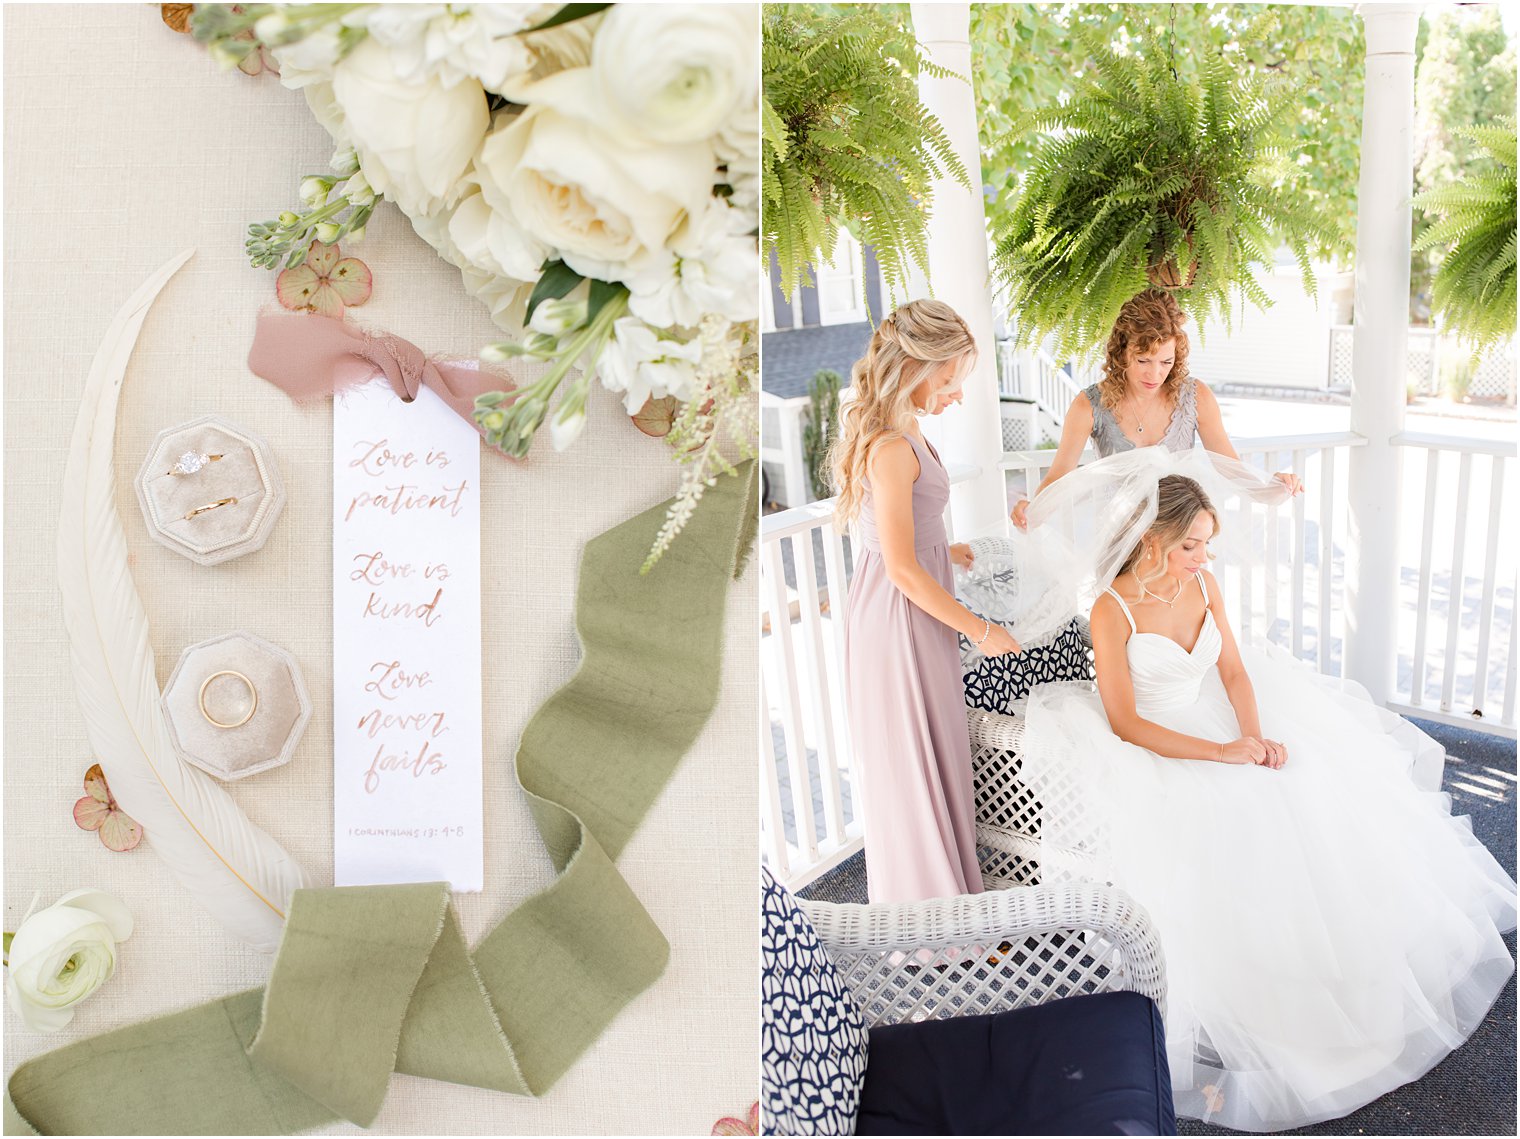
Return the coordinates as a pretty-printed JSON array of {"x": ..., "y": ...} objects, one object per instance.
[{"x": 985, "y": 953}]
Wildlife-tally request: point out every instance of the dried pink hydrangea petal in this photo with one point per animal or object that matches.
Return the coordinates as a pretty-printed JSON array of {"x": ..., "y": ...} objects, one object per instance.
[
  {"x": 321, "y": 258},
  {"x": 728, "y": 1125},
  {"x": 350, "y": 279},
  {"x": 99, "y": 812},
  {"x": 95, "y": 784},
  {"x": 326, "y": 300},
  {"x": 120, "y": 832},
  {"x": 90, "y": 813},
  {"x": 295, "y": 286}
]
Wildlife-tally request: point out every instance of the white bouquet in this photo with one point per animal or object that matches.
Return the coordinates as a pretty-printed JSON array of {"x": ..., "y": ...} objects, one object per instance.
[{"x": 592, "y": 170}]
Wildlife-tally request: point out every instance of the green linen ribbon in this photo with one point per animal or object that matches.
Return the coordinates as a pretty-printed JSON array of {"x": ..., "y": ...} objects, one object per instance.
[{"x": 372, "y": 979}]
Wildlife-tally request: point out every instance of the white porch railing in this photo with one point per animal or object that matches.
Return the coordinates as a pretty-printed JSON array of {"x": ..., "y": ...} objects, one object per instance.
[{"x": 1291, "y": 593}]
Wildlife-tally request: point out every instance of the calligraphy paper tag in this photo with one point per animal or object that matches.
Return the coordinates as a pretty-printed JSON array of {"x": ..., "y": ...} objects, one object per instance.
[{"x": 407, "y": 801}]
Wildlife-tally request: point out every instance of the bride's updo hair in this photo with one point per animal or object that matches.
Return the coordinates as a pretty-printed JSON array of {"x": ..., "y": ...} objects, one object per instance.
[
  {"x": 907, "y": 348},
  {"x": 1144, "y": 322},
  {"x": 1179, "y": 502}
]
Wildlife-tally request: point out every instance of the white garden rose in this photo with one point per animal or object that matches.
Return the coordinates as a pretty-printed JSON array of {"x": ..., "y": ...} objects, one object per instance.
[
  {"x": 672, "y": 73},
  {"x": 642, "y": 364},
  {"x": 602, "y": 203},
  {"x": 738, "y": 148},
  {"x": 414, "y": 140},
  {"x": 62, "y": 954},
  {"x": 708, "y": 268},
  {"x": 458, "y": 236}
]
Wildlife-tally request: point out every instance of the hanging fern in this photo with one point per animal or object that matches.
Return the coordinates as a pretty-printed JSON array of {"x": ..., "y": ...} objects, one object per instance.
[
  {"x": 1143, "y": 178},
  {"x": 1475, "y": 283},
  {"x": 847, "y": 144}
]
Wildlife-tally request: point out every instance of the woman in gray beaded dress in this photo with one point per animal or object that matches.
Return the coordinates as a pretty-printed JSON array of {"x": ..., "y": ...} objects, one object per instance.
[{"x": 1146, "y": 397}]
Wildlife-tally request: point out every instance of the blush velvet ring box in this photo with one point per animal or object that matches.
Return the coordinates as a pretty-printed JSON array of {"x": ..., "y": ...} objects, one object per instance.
[{"x": 210, "y": 490}]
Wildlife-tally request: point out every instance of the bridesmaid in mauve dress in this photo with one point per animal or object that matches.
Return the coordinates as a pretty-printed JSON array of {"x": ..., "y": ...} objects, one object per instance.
[{"x": 903, "y": 690}]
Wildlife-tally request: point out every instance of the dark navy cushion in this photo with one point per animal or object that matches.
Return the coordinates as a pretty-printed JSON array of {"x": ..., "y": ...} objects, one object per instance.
[
  {"x": 994, "y": 683},
  {"x": 1090, "y": 1065},
  {"x": 812, "y": 1037}
]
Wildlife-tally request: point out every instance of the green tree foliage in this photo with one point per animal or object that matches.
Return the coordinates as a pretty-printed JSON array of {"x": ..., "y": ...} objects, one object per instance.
[
  {"x": 846, "y": 142},
  {"x": 1027, "y": 56},
  {"x": 818, "y": 431},
  {"x": 1465, "y": 77},
  {"x": 1142, "y": 168},
  {"x": 1475, "y": 282}
]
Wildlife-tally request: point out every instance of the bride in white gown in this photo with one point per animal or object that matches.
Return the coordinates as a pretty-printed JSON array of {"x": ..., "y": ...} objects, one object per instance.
[{"x": 1331, "y": 931}]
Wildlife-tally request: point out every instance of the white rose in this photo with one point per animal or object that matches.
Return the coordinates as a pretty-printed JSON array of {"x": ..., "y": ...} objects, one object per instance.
[
  {"x": 62, "y": 954},
  {"x": 414, "y": 140},
  {"x": 459, "y": 236},
  {"x": 602, "y": 203},
  {"x": 640, "y": 363},
  {"x": 453, "y": 43},
  {"x": 738, "y": 148},
  {"x": 709, "y": 268},
  {"x": 674, "y": 72}
]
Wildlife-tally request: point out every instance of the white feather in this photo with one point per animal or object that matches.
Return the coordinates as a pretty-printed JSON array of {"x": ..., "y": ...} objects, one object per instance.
[{"x": 231, "y": 867}]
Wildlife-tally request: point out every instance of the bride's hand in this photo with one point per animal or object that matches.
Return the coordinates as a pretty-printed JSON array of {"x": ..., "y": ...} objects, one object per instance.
[
  {"x": 1294, "y": 484},
  {"x": 961, "y": 555},
  {"x": 999, "y": 641},
  {"x": 1247, "y": 749},
  {"x": 1020, "y": 514},
  {"x": 1276, "y": 754}
]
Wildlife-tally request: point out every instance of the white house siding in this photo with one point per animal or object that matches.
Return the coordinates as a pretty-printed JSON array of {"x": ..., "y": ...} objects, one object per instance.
[{"x": 1287, "y": 346}]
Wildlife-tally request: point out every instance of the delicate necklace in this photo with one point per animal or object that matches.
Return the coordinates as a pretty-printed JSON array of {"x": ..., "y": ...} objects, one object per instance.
[
  {"x": 1139, "y": 423},
  {"x": 1147, "y": 593}
]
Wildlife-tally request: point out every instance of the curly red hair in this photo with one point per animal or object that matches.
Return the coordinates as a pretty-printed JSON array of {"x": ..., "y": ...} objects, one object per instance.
[{"x": 1145, "y": 321}]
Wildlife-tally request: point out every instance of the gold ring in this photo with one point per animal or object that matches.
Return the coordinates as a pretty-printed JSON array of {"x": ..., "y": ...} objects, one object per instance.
[
  {"x": 210, "y": 506},
  {"x": 253, "y": 703},
  {"x": 191, "y": 462}
]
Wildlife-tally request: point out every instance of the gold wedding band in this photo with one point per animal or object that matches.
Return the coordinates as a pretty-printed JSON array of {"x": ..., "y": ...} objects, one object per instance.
[
  {"x": 253, "y": 702},
  {"x": 210, "y": 506},
  {"x": 191, "y": 462}
]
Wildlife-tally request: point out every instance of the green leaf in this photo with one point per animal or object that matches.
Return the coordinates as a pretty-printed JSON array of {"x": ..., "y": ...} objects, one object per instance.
[
  {"x": 557, "y": 280},
  {"x": 565, "y": 15},
  {"x": 601, "y": 293},
  {"x": 9, "y": 937}
]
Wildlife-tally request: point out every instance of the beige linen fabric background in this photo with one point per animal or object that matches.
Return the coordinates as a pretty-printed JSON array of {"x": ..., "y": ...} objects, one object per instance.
[{"x": 123, "y": 145}]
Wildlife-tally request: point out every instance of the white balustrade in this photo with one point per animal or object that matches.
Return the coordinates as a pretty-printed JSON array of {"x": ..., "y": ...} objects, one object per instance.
[{"x": 1290, "y": 593}]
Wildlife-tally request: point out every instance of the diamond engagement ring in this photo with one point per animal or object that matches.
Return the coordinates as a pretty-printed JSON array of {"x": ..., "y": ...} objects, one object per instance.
[
  {"x": 234, "y": 700},
  {"x": 210, "y": 506},
  {"x": 191, "y": 462}
]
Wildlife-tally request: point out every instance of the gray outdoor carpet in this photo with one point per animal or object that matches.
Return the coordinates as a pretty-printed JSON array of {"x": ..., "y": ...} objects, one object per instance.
[{"x": 1471, "y": 1092}]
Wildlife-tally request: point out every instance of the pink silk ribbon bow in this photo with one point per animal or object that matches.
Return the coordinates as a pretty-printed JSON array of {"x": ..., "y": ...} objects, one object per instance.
[{"x": 308, "y": 356}]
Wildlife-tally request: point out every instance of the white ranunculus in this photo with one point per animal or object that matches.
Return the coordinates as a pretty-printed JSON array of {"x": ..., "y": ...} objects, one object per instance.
[
  {"x": 62, "y": 954},
  {"x": 602, "y": 203},
  {"x": 738, "y": 148},
  {"x": 452, "y": 43},
  {"x": 414, "y": 140},
  {"x": 673, "y": 73},
  {"x": 709, "y": 268},
  {"x": 640, "y": 363}
]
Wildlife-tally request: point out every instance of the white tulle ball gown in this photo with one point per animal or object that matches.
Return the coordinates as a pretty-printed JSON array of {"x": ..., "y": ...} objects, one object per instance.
[{"x": 1330, "y": 930}]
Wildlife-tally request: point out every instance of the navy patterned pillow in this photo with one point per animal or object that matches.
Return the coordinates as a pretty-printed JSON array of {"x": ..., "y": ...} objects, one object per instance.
[
  {"x": 812, "y": 1038},
  {"x": 994, "y": 683}
]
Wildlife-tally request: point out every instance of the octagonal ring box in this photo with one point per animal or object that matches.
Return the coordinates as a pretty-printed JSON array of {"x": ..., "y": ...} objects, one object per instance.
[
  {"x": 268, "y": 738},
  {"x": 246, "y": 471}
]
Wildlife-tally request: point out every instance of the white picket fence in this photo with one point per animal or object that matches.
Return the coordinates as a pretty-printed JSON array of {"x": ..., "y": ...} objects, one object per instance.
[{"x": 1457, "y": 647}]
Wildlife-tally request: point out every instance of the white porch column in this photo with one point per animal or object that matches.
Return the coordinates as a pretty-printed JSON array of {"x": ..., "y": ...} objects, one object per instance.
[
  {"x": 970, "y": 434},
  {"x": 1380, "y": 344}
]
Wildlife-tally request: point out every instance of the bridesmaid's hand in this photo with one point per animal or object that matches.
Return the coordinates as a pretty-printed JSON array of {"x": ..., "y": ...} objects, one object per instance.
[
  {"x": 1294, "y": 484},
  {"x": 1247, "y": 749},
  {"x": 1020, "y": 514},
  {"x": 961, "y": 555},
  {"x": 1276, "y": 754},
  {"x": 999, "y": 641}
]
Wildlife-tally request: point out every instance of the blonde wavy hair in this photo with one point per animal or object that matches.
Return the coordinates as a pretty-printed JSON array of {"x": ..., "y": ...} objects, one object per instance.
[
  {"x": 1145, "y": 321},
  {"x": 1179, "y": 501},
  {"x": 907, "y": 348}
]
